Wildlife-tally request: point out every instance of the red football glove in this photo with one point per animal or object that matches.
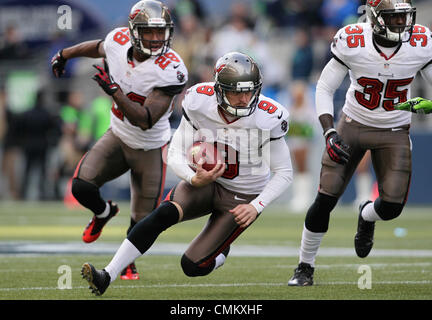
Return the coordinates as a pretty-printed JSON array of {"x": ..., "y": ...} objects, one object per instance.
[
  {"x": 58, "y": 63},
  {"x": 105, "y": 81},
  {"x": 336, "y": 148}
]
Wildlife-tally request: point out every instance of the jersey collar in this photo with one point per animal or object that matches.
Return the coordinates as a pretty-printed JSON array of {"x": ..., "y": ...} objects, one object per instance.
[
  {"x": 382, "y": 54},
  {"x": 224, "y": 117}
]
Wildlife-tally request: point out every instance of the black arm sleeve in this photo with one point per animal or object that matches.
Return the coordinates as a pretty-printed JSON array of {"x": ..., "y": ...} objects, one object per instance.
[
  {"x": 426, "y": 65},
  {"x": 188, "y": 119},
  {"x": 172, "y": 90},
  {"x": 339, "y": 60}
]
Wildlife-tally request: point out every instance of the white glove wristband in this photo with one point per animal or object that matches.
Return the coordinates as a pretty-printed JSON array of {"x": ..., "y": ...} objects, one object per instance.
[{"x": 328, "y": 132}]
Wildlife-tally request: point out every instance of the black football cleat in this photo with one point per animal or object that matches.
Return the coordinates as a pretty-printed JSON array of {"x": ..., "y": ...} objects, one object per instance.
[
  {"x": 99, "y": 280},
  {"x": 303, "y": 275},
  {"x": 363, "y": 240}
]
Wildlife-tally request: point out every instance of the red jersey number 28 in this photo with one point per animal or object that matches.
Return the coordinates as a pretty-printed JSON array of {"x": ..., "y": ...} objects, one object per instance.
[{"x": 122, "y": 36}]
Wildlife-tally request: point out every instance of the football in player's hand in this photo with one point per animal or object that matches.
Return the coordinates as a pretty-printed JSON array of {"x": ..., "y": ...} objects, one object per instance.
[{"x": 208, "y": 152}]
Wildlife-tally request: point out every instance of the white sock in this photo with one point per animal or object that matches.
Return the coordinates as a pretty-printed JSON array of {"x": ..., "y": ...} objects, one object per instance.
[
  {"x": 126, "y": 254},
  {"x": 309, "y": 245},
  {"x": 105, "y": 213},
  {"x": 219, "y": 261},
  {"x": 301, "y": 191},
  {"x": 369, "y": 214},
  {"x": 363, "y": 183}
]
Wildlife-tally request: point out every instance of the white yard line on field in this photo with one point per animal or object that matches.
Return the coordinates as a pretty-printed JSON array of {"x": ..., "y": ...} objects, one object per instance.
[
  {"x": 215, "y": 285},
  {"x": 279, "y": 266},
  {"x": 22, "y": 247}
]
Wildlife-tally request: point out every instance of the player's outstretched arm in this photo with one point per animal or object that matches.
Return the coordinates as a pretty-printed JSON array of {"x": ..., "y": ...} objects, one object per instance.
[
  {"x": 416, "y": 105},
  {"x": 90, "y": 49}
]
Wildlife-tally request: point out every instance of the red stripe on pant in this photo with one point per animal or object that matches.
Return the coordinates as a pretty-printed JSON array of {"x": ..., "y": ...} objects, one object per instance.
[
  {"x": 407, "y": 193},
  {"x": 235, "y": 234},
  {"x": 164, "y": 166},
  {"x": 75, "y": 175},
  {"x": 168, "y": 196}
]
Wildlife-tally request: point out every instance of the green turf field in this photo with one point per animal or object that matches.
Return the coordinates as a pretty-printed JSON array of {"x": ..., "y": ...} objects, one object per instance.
[{"x": 401, "y": 266}]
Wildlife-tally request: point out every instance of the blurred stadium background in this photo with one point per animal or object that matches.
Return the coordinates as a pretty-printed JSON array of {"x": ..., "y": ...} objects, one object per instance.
[{"x": 47, "y": 124}]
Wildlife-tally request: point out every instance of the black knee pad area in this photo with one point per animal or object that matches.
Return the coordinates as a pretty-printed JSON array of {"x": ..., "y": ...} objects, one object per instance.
[
  {"x": 318, "y": 215},
  {"x": 192, "y": 269},
  {"x": 387, "y": 210},
  {"x": 88, "y": 195},
  {"x": 145, "y": 232}
]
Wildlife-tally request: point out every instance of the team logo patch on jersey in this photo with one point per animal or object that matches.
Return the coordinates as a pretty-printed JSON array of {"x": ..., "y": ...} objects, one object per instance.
[
  {"x": 180, "y": 76},
  {"x": 284, "y": 125},
  {"x": 334, "y": 42},
  {"x": 374, "y": 3}
]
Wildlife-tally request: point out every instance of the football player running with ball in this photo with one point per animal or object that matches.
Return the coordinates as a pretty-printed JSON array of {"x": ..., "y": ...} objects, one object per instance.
[
  {"x": 382, "y": 57},
  {"x": 143, "y": 77},
  {"x": 248, "y": 130}
]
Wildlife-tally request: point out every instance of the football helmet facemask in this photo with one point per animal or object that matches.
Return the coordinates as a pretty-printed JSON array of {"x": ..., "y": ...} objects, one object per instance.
[
  {"x": 150, "y": 14},
  {"x": 237, "y": 72},
  {"x": 381, "y": 12}
]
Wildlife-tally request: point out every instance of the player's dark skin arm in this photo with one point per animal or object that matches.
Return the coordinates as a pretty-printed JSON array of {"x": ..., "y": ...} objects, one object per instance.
[
  {"x": 155, "y": 106},
  {"x": 88, "y": 49},
  {"x": 326, "y": 121}
]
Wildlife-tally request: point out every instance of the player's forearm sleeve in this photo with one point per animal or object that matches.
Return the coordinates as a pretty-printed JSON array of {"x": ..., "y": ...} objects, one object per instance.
[
  {"x": 330, "y": 80},
  {"x": 180, "y": 142},
  {"x": 281, "y": 167}
]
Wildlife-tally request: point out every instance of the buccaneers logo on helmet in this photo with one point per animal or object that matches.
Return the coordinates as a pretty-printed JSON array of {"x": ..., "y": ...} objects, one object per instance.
[{"x": 374, "y": 3}]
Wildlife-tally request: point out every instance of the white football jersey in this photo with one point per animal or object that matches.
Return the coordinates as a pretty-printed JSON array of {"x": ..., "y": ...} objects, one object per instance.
[
  {"x": 137, "y": 82},
  {"x": 378, "y": 82},
  {"x": 245, "y": 141}
]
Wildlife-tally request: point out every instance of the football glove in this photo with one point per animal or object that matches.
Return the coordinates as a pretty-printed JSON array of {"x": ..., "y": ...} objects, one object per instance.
[
  {"x": 415, "y": 105},
  {"x": 105, "y": 81},
  {"x": 336, "y": 148},
  {"x": 58, "y": 63}
]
